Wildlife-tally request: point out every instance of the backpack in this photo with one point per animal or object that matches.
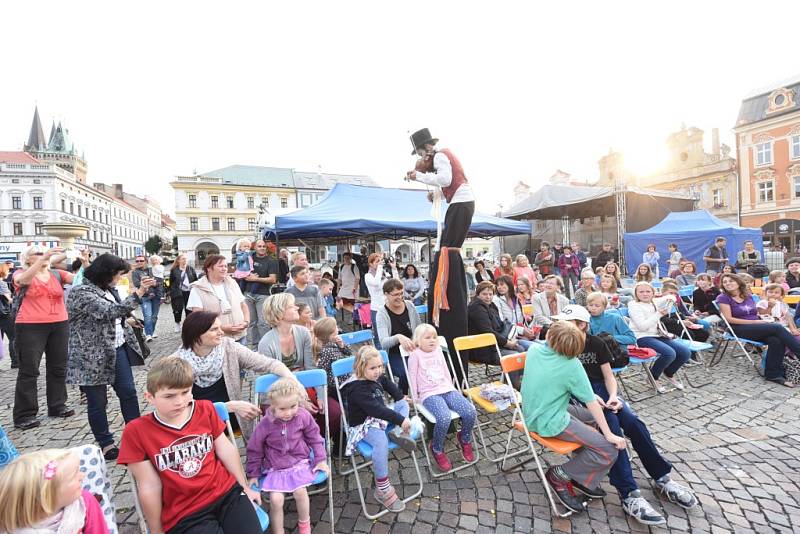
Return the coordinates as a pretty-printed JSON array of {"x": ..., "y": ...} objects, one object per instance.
[
  {"x": 16, "y": 304},
  {"x": 619, "y": 355}
]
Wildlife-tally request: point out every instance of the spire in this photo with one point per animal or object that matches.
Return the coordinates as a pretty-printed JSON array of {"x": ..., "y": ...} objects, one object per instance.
[
  {"x": 52, "y": 132},
  {"x": 36, "y": 137}
]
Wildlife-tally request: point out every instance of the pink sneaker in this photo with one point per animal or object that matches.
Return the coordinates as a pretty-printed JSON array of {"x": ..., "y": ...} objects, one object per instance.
[
  {"x": 441, "y": 460},
  {"x": 466, "y": 449}
]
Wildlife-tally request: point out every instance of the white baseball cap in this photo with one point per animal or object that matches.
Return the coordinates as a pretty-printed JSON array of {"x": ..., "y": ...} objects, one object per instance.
[{"x": 573, "y": 312}]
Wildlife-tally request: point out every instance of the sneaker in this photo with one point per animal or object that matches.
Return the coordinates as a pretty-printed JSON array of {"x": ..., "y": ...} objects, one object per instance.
[
  {"x": 638, "y": 508},
  {"x": 466, "y": 449},
  {"x": 442, "y": 461},
  {"x": 155, "y": 335},
  {"x": 389, "y": 499},
  {"x": 404, "y": 441},
  {"x": 564, "y": 491},
  {"x": 149, "y": 338},
  {"x": 680, "y": 495},
  {"x": 592, "y": 493},
  {"x": 177, "y": 328},
  {"x": 660, "y": 388},
  {"x": 675, "y": 382}
]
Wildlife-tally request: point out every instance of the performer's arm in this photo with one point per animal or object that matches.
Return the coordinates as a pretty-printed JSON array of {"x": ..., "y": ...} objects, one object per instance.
[{"x": 443, "y": 174}]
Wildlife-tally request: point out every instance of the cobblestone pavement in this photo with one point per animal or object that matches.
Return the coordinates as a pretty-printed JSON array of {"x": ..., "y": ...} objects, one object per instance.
[{"x": 735, "y": 442}]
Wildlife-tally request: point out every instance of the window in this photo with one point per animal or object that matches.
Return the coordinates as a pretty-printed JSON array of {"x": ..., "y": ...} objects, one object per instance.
[
  {"x": 214, "y": 201},
  {"x": 796, "y": 180},
  {"x": 192, "y": 201},
  {"x": 37, "y": 181},
  {"x": 215, "y": 223},
  {"x": 265, "y": 200},
  {"x": 16, "y": 203},
  {"x": 305, "y": 200},
  {"x": 37, "y": 228},
  {"x": 718, "y": 201},
  {"x": 193, "y": 224},
  {"x": 94, "y": 232},
  {"x": 63, "y": 205},
  {"x": 94, "y": 215},
  {"x": 72, "y": 207},
  {"x": 37, "y": 203},
  {"x": 765, "y": 192},
  {"x": 795, "y": 142},
  {"x": 80, "y": 210},
  {"x": 251, "y": 224},
  {"x": 284, "y": 202},
  {"x": 15, "y": 180},
  {"x": 251, "y": 203},
  {"x": 231, "y": 224},
  {"x": 17, "y": 228},
  {"x": 764, "y": 154},
  {"x": 229, "y": 202}
]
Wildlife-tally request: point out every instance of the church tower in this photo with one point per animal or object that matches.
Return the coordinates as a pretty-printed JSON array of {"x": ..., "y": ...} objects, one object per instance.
[{"x": 58, "y": 149}]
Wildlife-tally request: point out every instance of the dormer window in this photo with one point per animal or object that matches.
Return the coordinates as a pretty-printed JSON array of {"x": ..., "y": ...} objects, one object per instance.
[{"x": 780, "y": 99}]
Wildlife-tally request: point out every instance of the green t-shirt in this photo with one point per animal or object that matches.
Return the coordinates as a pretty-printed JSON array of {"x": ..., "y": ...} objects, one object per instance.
[{"x": 548, "y": 382}]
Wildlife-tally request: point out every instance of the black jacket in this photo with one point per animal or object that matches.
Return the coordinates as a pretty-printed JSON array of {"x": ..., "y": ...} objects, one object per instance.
[
  {"x": 363, "y": 398},
  {"x": 175, "y": 280},
  {"x": 604, "y": 257},
  {"x": 484, "y": 318},
  {"x": 702, "y": 300},
  {"x": 792, "y": 280}
]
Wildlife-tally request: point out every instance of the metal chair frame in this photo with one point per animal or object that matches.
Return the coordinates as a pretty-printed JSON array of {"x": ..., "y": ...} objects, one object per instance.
[{"x": 731, "y": 337}]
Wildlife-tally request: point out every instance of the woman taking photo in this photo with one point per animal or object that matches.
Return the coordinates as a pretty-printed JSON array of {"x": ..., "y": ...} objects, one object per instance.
[
  {"x": 413, "y": 285},
  {"x": 218, "y": 363},
  {"x": 481, "y": 274},
  {"x": 504, "y": 267},
  {"x": 291, "y": 344},
  {"x": 181, "y": 277},
  {"x": 738, "y": 307},
  {"x": 41, "y": 327},
  {"x": 396, "y": 322},
  {"x": 375, "y": 278},
  {"x": 102, "y": 345},
  {"x": 645, "y": 315},
  {"x": 218, "y": 293}
]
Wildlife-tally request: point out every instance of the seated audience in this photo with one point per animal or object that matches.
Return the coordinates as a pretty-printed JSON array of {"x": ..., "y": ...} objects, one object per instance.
[
  {"x": 483, "y": 317},
  {"x": 549, "y": 302},
  {"x": 481, "y": 273},
  {"x": 727, "y": 269},
  {"x": 219, "y": 293},
  {"x": 644, "y": 273},
  {"x": 504, "y": 267},
  {"x": 683, "y": 323},
  {"x": 413, "y": 285},
  {"x": 611, "y": 323},
  {"x": 396, "y": 321},
  {"x": 688, "y": 274},
  {"x": 772, "y": 308},
  {"x": 522, "y": 269},
  {"x": 609, "y": 288},
  {"x": 778, "y": 277},
  {"x": 703, "y": 299},
  {"x": 586, "y": 286}
]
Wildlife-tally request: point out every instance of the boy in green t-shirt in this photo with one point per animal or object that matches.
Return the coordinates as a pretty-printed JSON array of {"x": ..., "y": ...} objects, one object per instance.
[{"x": 553, "y": 375}]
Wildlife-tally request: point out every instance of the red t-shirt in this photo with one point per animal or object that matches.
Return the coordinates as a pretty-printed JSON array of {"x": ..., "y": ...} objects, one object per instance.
[
  {"x": 192, "y": 477},
  {"x": 43, "y": 302}
]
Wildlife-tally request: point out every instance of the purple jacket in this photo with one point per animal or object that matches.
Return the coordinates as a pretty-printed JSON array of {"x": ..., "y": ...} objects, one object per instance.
[
  {"x": 279, "y": 445},
  {"x": 565, "y": 265}
]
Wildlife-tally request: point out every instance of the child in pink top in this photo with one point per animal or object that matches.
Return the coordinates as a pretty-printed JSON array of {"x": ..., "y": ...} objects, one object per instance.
[
  {"x": 430, "y": 384},
  {"x": 772, "y": 308}
]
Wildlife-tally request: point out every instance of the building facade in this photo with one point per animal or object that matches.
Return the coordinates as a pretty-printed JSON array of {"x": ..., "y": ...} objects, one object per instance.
[
  {"x": 768, "y": 147},
  {"x": 58, "y": 148},
  {"x": 130, "y": 223}
]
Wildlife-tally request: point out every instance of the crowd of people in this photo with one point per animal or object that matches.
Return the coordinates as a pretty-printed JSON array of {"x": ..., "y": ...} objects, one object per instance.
[{"x": 271, "y": 312}]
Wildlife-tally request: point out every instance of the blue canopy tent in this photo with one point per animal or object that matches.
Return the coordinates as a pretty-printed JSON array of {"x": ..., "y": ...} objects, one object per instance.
[
  {"x": 694, "y": 232},
  {"x": 353, "y": 211}
]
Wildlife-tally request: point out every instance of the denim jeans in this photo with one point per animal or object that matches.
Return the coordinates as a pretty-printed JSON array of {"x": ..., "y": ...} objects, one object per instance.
[
  {"x": 626, "y": 423},
  {"x": 374, "y": 317},
  {"x": 777, "y": 338},
  {"x": 379, "y": 441},
  {"x": 96, "y": 400},
  {"x": 150, "y": 307},
  {"x": 671, "y": 355}
]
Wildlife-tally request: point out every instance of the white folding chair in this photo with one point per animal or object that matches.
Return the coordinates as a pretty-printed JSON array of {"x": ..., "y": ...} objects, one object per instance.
[
  {"x": 696, "y": 347},
  {"x": 311, "y": 378},
  {"x": 421, "y": 410},
  {"x": 96, "y": 481},
  {"x": 730, "y": 337},
  {"x": 343, "y": 367}
]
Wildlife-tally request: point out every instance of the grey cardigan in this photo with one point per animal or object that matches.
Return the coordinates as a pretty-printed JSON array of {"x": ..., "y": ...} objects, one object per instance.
[
  {"x": 270, "y": 346},
  {"x": 541, "y": 310},
  {"x": 384, "y": 325}
]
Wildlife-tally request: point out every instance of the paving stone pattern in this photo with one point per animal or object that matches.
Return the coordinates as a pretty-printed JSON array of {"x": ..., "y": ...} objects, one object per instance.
[{"x": 735, "y": 442}]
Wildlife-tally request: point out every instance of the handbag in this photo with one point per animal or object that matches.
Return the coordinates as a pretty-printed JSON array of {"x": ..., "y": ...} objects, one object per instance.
[
  {"x": 619, "y": 355},
  {"x": 508, "y": 330},
  {"x": 5, "y": 307},
  {"x": 144, "y": 349}
]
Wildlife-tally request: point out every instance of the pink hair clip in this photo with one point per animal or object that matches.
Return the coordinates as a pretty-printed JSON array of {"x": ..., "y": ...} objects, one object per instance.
[{"x": 50, "y": 470}]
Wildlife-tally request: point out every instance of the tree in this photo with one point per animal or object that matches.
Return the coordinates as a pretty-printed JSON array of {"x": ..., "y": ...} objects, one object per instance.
[{"x": 153, "y": 245}]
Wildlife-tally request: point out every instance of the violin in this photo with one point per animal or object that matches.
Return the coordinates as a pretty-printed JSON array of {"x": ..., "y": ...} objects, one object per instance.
[{"x": 424, "y": 164}]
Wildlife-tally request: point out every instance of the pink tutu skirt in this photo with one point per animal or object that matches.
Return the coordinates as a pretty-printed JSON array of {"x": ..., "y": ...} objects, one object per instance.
[{"x": 289, "y": 479}]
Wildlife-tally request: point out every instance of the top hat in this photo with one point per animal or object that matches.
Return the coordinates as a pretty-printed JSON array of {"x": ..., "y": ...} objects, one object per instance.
[{"x": 420, "y": 138}]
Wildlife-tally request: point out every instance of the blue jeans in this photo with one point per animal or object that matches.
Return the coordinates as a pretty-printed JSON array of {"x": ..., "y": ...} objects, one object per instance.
[
  {"x": 671, "y": 355},
  {"x": 440, "y": 406},
  {"x": 379, "y": 441},
  {"x": 374, "y": 317},
  {"x": 777, "y": 338},
  {"x": 150, "y": 313},
  {"x": 399, "y": 371},
  {"x": 524, "y": 343},
  {"x": 96, "y": 400},
  {"x": 626, "y": 423}
]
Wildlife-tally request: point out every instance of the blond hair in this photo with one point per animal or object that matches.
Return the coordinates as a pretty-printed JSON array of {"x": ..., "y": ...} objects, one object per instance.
[
  {"x": 779, "y": 287},
  {"x": 171, "y": 372},
  {"x": 324, "y": 330},
  {"x": 275, "y": 307},
  {"x": 774, "y": 275},
  {"x": 27, "y": 252},
  {"x": 565, "y": 338},
  {"x": 522, "y": 258},
  {"x": 27, "y": 496},
  {"x": 421, "y": 330},
  {"x": 284, "y": 387},
  {"x": 640, "y": 284},
  {"x": 597, "y": 296},
  {"x": 242, "y": 241},
  {"x": 156, "y": 260},
  {"x": 365, "y": 354},
  {"x": 606, "y": 276}
]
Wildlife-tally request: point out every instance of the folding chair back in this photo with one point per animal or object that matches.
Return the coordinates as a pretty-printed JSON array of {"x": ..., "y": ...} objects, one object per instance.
[
  {"x": 729, "y": 337},
  {"x": 97, "y": 482},
  {"x": 353, "y": 338}
]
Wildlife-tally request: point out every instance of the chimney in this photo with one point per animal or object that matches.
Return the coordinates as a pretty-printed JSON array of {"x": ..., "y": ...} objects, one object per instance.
[
  {"x": 715, "y": 141},
  {"x": 118, "y": 191}
]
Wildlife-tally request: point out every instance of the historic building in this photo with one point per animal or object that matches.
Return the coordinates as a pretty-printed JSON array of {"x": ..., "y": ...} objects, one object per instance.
[
  {"x": 768, "y": 147},
  {"x": 58, "y": 148},
  {"x": 130, "y": 221}
]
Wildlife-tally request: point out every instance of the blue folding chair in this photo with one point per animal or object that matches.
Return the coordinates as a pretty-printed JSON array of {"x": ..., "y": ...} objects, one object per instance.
[
  {"x": 311, "y": 378},
  {"x": 361, "y": 336},
  {"x": 222, "y": 412},
  {"x": 422, "y": 310},
  {"x": 343, "y": 367},
  {"x": 730, "y": 337}
]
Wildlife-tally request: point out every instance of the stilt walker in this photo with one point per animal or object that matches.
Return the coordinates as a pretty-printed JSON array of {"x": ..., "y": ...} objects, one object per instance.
[{"x": 447, "y": 289}]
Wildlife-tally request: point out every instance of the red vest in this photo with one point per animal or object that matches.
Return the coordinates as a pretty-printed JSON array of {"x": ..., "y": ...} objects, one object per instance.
[{"x": 458, "y": 175}]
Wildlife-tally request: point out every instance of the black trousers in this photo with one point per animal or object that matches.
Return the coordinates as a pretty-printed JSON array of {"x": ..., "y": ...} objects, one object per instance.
[
  {"x": 456, "y": 224},
  {"x": 7, "y": 328},
  {"x": 34, "y": 339},
  {"x": 233, "y": 513},
  {"x": 452, "y": 322},
  {"x": 179, "y": 305}
]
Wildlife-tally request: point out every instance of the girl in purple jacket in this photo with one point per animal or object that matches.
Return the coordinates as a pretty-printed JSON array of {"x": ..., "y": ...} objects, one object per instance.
[{"x": 279, "y": 451}]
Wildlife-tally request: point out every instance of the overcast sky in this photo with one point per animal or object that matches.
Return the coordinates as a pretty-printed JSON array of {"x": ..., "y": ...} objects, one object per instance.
[{"x": 151, "y": 90}]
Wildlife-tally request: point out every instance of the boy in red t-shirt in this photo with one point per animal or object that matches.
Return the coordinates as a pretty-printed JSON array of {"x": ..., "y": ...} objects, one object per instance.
[{"x": 188, "y": 473}]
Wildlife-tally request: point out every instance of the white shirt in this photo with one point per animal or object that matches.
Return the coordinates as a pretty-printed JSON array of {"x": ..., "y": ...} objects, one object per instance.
[
  {"x": 119, "y": 333},
  {"x": 219, "y": 290},
  {"x": 375, "y": 286},
  {"x": 443, "y": 176}
]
